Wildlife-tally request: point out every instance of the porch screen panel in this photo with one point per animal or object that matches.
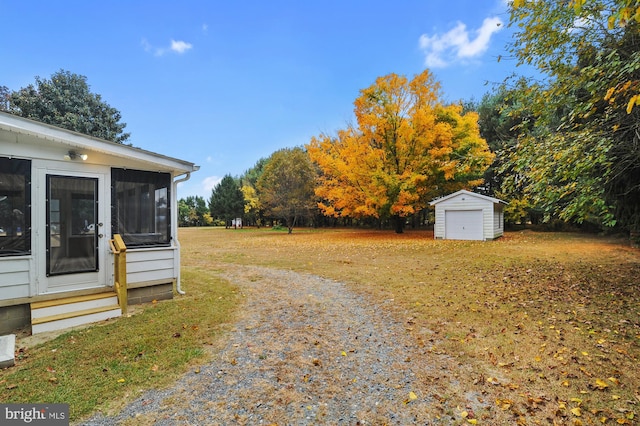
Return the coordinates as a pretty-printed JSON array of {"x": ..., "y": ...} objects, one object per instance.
[
  {"x": 140, "y": 207},
  {"x": 15, "y": 207}
]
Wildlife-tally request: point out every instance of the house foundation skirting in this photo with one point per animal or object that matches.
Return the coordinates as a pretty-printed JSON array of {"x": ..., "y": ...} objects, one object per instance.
[
  {"x": 14, "y": 317},
  {"x": 148, "y": 292}
]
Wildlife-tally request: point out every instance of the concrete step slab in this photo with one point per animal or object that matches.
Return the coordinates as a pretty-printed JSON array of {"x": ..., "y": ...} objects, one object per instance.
[{"x": 7, "y": 351}]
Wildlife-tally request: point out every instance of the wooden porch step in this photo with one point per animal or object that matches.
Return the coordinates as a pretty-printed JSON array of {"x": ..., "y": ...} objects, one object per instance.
[
  {"x": 74, "y": 314},
  {"x": 73, "y": 311},
  {"x": 74, "y": 299}
]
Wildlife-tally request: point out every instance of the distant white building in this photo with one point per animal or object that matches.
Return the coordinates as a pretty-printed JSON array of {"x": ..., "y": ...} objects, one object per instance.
[{"x": 465, "y": 215}]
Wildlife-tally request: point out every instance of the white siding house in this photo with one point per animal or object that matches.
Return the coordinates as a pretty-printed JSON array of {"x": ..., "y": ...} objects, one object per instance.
[
  {"x": 465, "y": 215},
  {"x": 63, "y": 197}
]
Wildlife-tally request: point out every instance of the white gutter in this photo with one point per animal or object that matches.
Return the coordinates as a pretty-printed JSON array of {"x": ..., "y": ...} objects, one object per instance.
[{"x": 174, "y": 226}]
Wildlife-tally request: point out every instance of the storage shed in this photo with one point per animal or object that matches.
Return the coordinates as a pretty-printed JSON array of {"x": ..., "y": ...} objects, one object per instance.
[
  {"x": 465, "y": 215},
  {"x": 64, "y": 199}
]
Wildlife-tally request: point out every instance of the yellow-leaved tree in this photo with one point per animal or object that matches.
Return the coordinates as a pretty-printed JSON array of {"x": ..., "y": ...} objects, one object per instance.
[{"x": 406, "y": 149}]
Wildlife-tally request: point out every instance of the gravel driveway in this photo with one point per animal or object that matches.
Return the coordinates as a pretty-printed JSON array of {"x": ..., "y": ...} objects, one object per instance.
[{"x": 306, "y": 350}]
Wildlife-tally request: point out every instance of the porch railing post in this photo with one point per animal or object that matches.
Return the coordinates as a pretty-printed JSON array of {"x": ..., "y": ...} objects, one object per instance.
[{"x": 120, "y": 270}]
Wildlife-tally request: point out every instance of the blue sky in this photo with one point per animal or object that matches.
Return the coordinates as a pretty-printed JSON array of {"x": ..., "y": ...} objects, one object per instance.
[{"x": 222, "y": 84}]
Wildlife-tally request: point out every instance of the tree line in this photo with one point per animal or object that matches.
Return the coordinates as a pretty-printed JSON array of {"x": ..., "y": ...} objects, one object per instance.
[
  {"x": 406, "y": 148},
  {"x": 561, "y": 148}
]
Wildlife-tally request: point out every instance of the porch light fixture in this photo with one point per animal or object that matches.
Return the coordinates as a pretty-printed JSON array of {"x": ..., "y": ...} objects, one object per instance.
[{"x": 73, "y": 155}]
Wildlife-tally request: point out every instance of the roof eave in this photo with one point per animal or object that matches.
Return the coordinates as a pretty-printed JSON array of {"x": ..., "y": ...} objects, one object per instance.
[
  {"x": 20, "y": 125},
  {"x": 464, "y": 191}
]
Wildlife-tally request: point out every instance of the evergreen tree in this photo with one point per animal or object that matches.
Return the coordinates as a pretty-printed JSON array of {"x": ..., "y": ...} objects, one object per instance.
[
  {"x": 226, "y": 201},
  {"x": 66, "y": 101}
]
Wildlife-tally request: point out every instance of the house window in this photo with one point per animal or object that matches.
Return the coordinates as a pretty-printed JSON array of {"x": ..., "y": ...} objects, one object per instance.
[
  {"x": 15, "y": 207},
  {"x": 140, "y": 207}
]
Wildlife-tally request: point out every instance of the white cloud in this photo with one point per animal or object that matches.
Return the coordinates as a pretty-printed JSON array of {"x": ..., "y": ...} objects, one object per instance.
[
  {"x": 442, "y": 49},
  {"x": 180, "y": 46},
  {"x": 210, "y": 182}
]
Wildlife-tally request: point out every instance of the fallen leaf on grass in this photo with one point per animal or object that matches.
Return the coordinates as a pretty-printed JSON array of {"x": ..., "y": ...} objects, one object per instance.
[
  {"x": 623, "y": 422},
  {"x": 535, "y": 401},
  {"x": 601, "y": 384},
  {"x": 576, "y": 411},
  {"x": 505, "y": 404},
  {"x": 584, "y": 370},
  {"x": 493, "y": 381}
]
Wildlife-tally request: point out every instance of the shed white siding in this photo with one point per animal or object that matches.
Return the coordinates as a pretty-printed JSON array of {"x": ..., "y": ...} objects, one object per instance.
[
  {"x": 465, "y": 215},
  {"x": 498, "y": 221}
]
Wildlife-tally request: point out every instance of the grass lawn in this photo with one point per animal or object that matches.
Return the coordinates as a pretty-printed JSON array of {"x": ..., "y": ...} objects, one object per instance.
[
  {"x": 109, "y": 364},
  {"x": 544, "y": 326}
]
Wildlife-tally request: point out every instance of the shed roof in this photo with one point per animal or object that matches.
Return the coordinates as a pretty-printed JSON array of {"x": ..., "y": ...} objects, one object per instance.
[
  {"x": 469, "y": 193},
  {"x": 36, "y": 130}
]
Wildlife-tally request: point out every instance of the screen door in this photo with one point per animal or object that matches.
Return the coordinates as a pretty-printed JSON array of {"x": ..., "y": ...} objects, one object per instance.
[{"x": 72, "y": 224}]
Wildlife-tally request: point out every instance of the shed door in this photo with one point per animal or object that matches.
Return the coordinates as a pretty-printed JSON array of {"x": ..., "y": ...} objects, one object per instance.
[{"x": 463, "y": 225}]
